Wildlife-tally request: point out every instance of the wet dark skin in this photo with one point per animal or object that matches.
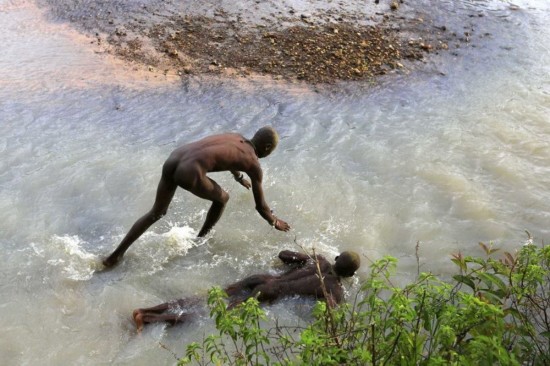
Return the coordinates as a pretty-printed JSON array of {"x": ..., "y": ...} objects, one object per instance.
[
  {"x": 187, "y": 167},
  {"x": 302, "y": 279}
]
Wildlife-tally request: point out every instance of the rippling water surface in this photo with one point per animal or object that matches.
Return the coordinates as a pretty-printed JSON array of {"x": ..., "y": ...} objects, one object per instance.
[{"x": 447, "y": 156}]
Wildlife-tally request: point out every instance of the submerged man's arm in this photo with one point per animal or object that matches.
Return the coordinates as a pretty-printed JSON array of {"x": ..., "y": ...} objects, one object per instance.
[
  {"x": 334, "y": 291},
  {"x": 290, "y": 257}
]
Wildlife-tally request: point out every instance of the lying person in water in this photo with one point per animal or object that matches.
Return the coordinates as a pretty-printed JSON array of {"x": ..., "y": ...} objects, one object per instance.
[{"x": 302, "y": 280}]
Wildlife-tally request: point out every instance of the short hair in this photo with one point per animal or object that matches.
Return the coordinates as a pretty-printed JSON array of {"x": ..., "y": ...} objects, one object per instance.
[
  {"x": 347, "y": 263},
  {"x": 267, "y": 135}
]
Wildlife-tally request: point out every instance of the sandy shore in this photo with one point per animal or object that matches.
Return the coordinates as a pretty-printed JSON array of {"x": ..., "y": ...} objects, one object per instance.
[{"x": 316, "y": 42}]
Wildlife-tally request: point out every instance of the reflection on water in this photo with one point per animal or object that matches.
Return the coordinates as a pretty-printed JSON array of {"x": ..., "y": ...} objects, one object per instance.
[{"x": 448, "y": 156}]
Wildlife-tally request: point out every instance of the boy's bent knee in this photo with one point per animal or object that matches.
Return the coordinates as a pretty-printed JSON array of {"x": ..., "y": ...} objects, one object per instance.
[{"x": 223, "y": 198}]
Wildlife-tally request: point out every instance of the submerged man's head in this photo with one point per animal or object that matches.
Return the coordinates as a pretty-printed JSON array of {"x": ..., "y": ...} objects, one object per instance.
[
  {"x": 347, "y": 263},
  {"x": 265, "y": 141}
]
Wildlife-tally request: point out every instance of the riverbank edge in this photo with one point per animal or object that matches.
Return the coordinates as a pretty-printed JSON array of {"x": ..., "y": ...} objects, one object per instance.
[{"x": 292, "y": 49}]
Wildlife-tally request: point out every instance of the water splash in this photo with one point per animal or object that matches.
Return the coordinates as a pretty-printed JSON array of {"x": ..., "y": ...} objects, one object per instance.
[
  {"x": 154, "y": 250},
  {"x": 68, "y": 253}
]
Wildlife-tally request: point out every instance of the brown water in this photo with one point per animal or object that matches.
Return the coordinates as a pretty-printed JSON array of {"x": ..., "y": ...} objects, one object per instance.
[{"x": 451, "y": 155}]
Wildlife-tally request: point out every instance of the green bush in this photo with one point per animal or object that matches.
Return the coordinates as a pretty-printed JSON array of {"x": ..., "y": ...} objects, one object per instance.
[{"x": 494, "y": 312}]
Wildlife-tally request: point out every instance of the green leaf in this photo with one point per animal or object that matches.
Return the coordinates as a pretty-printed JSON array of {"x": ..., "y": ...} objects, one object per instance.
[
  {"x": 489, "y": 279},
  {"x": 492, "y": 297},
  {"x": 465, "y": 280},
  {"x": 512, "y": 311},
  {"x": 460, "y": 263}
]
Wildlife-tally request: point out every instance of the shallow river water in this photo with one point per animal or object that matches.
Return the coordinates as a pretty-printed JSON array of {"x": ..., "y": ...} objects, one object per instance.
[{"x": 447, "y": 156}]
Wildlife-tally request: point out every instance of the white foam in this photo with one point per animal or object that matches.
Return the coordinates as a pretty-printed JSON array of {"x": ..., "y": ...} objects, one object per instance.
[
  {"x": 158, "y": 249},
  {"x": 180, "y": 237},
  {"x": 68, "y": 253}
]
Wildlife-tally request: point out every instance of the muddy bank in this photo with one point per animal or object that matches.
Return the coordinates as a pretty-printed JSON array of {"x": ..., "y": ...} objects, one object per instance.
[{"x": 316, "y": 42}]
